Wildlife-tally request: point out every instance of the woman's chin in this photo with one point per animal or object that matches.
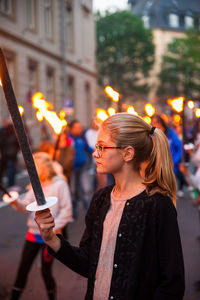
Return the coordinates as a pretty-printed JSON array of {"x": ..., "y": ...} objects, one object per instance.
[{"x": 101, "y": 170}]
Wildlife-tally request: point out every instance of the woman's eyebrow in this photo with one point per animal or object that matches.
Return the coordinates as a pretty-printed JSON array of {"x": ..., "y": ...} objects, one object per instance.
[{"x": 102, "y": 142}]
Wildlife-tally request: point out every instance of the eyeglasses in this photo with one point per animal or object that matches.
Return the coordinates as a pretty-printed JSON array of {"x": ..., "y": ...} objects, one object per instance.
[{"x": 100, "y": 149}]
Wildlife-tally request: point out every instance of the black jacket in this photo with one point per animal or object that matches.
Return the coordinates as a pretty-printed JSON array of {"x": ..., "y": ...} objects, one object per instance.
[{"x": 148, "y": 250}]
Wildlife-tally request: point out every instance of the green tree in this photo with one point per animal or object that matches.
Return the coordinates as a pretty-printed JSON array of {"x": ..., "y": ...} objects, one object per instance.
[
  {"x": 180, "y": 71},
  {"x": 125, "y": 52}
]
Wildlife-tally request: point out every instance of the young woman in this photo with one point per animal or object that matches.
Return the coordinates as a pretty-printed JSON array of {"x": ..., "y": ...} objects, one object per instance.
[
  {"x": 131, "y": 247},
  {"x": 53, "y": 185}
]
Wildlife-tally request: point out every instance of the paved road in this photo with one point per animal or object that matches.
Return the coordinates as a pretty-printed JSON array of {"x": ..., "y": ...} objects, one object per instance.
[{"x": 70, "y": 285}]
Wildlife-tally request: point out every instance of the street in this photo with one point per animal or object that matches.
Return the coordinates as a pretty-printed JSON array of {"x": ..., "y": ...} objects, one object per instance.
[{"x": 70, "y": 285}]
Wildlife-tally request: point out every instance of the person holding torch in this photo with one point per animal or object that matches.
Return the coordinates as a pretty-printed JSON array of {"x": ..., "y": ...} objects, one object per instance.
[
  {"x": 131, "y": 247},
  {"x": 62, "y": 211}
]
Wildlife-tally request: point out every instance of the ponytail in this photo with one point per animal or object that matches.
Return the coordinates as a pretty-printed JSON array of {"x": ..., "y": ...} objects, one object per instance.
[{"x": 159, "y": 174}]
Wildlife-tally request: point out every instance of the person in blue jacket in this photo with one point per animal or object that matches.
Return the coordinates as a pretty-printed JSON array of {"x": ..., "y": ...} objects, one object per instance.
[
  {"x": 175, "y": 145},
  {"x": 80, "y": 186}
]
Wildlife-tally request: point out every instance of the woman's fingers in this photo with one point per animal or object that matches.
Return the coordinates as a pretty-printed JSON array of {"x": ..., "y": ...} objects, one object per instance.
[{"x": 44, "y": 219}]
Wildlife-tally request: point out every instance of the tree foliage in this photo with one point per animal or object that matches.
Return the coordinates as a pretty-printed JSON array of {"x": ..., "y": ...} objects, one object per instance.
[
  {"x": 125, "y": 51},
  {"x": 181, "y": 67}
]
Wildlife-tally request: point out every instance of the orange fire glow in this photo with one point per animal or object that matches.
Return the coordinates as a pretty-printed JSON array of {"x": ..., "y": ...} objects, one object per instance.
[
  {"x": 147, "y": 119},
  {"x": 197, "y": 112},
  {"x": 21, "y": 110},
  {"x": 131, "y": 110},
  {"x": 112, "y": 93},
  {"x": 190, "y": 104},
  {"x": 51, "y": 117},
  {"x": 0, "y": 82},
  {"x": 101, "y": 114},
  {"x": 111, "y": 111},
  {"x": 177, "y": 119},
  {"x": 176, "y": 103},
  {"x": 149, "y": 109}
]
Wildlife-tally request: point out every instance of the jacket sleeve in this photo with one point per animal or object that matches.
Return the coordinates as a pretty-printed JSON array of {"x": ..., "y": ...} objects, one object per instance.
[
  {"x": 77, "y": 258},
  {"x": 170, "y": 257}
]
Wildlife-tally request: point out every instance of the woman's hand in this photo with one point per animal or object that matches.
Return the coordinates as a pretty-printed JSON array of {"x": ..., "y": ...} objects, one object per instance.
[{"x": 45, "y": 222}]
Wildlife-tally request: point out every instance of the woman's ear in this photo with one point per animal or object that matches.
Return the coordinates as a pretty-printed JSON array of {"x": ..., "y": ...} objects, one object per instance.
[{"x": 128, "y": 153}]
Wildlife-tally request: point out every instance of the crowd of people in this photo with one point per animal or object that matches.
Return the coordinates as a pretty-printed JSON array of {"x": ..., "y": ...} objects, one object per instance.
[{"x": 70, "y": 168}]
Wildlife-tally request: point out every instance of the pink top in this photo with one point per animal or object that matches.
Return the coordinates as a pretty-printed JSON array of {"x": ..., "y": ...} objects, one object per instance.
[{"x": 106, "y": 256}]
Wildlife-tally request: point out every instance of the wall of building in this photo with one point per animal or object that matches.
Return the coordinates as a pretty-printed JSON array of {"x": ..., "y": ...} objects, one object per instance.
[
  {"x": 162, "y": 38},
  {"x": 35, "y": 57}
]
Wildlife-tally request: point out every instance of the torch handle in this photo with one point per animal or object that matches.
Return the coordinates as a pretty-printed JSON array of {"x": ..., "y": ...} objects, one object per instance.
[
  {"x": 4, "y": 190},
  {"x": 20, "y": 131}
]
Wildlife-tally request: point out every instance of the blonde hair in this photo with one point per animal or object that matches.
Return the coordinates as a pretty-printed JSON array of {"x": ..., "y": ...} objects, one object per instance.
[
  {"x": 131, "y": 130},
  {"x": 44, "y": 166}
]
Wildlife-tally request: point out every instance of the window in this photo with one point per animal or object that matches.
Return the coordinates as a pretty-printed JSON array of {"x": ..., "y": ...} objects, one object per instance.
[
  {"x": 88, "y": 100},
  {"x": 50, "y": 84},
  {"x": 48, "y": 18},
  {"x": 70, "y": 88},
  {"x": 146, "y": 20},
  {"x": 6, "y": 7},
  {"x": 86, "y": 35},
  {"x": 31, "y": 14},
  {"x": 69, "y": 25},
  {"x": 173, "y": 20},
  {"x": 189, "y": 22},
  {"x": 32, "y": 84}
]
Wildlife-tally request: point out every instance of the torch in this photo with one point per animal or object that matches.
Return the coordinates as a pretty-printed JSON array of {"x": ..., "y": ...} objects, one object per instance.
[
  {"x": 41, "y": 203},
  {"x": 51, "y": 117}
]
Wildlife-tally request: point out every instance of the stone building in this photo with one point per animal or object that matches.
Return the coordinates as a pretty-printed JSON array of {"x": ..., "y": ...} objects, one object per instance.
[
  {"x": 50, "y": 47},
  {"x": 168, "y": 19}
]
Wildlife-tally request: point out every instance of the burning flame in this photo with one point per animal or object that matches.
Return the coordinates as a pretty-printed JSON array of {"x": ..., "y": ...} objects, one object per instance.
[
  {"x": 149, "y": 109},
  {"x": 197, "y": 112},
  {"x": 0, "y": 82},
  {"x": 21, "y": 110},
  {"x": 112, "y": 93},
  {"x": 101, "y": 114},
  {"x": 176, "y": 103},
  {"x": 62, "y": 114},
  {"x": 147, "y": 119},
  {"x": 43, "y": 106},
  {"x": 111, "y": 111},
  {"x": 190, "y": 104},
  {"x": 177, "y": 120},
  {"x": 131, "y": 110},
  {"x": 39, "y": 116}
]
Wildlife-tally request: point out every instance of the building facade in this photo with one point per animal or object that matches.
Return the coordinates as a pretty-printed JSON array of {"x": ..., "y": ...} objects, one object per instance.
[
  {"x": 50, "y": 47},
  {"x": 168, "y": 20}
]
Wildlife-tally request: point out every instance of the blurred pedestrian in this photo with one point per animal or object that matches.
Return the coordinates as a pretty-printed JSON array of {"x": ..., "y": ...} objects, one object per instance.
[
  {"x": 131, "y": 247},
  {"x": 9, "y": 149},
  {"x": 79, "y": 184},
  {"x": 52, "y": 185}
]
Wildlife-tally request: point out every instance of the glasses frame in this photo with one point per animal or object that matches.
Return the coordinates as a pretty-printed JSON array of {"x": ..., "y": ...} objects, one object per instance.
[{"x": 100, "y": 148}]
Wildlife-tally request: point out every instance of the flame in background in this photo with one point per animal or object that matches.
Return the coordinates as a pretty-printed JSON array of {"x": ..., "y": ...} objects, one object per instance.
[
  {"x": 111, "y": 111},
  {"x": 176, "y": 103},
  {"x": 190, "y": 104},
  {"x": 112, "y": 93},
  {"x": 21, "y": 110},
  {"x": 131, "y": 110},
  {"x": 0, "y": 82},
  {"x": 147, "y": 119},
  {"x": 197, "y": 112},
  {"x": 51, "y": 117},
  {"x": 149, "y": 109},
  {"x": 101, "y": 114}
]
